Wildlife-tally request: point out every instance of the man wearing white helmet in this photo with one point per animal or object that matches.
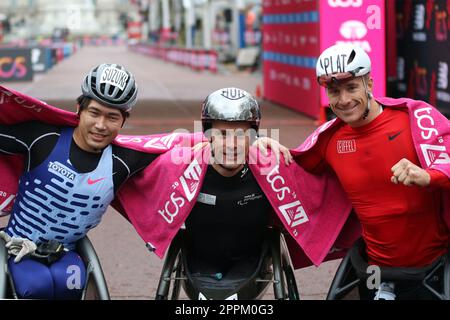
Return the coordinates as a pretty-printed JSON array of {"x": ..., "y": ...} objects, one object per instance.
[
  {"x": 71, "y": 176},
  {"x": 351, "y": 65},
  {"x": 373, "y": 149}
]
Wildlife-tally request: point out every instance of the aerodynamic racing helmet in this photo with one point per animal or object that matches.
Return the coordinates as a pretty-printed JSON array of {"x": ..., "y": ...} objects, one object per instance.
[
  {"x": 342, "y": 62},
  {"x": 230, "y": 104},
  {"x": 112, "y": 85}
]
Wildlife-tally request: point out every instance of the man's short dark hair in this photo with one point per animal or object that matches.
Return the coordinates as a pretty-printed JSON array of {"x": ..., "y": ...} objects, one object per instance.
[{"x": 84, "y": 101}]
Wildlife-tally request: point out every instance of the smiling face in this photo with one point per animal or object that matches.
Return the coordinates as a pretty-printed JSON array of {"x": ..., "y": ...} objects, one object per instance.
[
  {"x": 230, "y": 143},
  {"x": 98, "y": 127},
  {"x": 348, "y": 100}
]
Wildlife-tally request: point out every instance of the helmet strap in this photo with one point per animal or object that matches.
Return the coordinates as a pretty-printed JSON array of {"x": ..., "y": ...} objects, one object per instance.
[{"x": 369, "y": 98}]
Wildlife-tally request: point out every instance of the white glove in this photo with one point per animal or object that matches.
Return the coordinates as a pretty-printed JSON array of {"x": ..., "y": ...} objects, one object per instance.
[{"x": 19, "y": 247}]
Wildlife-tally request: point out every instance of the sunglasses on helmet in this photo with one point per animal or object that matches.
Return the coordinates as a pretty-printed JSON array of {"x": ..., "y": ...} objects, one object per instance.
[{"x": 327, "y": 79}]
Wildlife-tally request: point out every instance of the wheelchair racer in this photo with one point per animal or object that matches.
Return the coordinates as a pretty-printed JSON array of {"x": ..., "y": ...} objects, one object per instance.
[
  {"x": 71, "y": 176},
  {"x": 227, "y": 225},
  {"x": 373, "y": 148}
]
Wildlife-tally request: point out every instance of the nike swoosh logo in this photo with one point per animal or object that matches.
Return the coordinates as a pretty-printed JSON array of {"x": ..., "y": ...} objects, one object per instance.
[
  {"x": 394, "y": 136},
  {"x": 90, "y": 181}
]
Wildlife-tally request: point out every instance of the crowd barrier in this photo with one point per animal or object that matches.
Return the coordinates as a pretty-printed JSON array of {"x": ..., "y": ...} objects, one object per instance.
[
  {"x": 197, "y": 59},
  {"x": 19, "y": 61}
]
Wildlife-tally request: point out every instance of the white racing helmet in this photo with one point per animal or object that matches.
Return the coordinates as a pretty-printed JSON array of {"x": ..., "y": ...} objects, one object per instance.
[{"x": 341, "y": 62}]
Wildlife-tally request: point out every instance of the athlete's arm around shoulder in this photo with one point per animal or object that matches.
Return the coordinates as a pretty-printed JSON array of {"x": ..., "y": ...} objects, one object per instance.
[
  {"x": 314, "y": 159},
  {"x": 127, "y": 162}
]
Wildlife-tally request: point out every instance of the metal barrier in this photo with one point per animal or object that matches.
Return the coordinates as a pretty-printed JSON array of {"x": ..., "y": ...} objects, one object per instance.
[{"x": 197, "y": 59}]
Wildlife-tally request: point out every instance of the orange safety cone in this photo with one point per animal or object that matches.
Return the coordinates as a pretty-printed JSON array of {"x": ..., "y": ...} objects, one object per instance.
[{"x": 258, "y": 92}]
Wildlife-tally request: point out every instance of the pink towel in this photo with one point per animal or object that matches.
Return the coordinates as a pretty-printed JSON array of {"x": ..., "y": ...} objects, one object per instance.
[{"x": 159, "y": 199}]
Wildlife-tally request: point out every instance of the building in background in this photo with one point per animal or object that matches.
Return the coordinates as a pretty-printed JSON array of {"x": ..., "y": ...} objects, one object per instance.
[
  {"x": 223, "y": 25},
  {"x": 34, "y": 19}
]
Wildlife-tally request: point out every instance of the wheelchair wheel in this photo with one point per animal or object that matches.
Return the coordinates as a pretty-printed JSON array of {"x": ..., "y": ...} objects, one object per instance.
[
  {"x": 3, "y": 271},
  {"x": 275, "y": 267},
  {"x": 346, "y": 284},
  {"x": 292, "y": 289},
  {"x": 344, "y": 281},
  {"x": 169, "y": 285},
  {"x": 95, "y": 287},
  {"x": 174, "y": 294},
  {"x": 285, "y": 285},
  {"x": 7, "y": 290}
]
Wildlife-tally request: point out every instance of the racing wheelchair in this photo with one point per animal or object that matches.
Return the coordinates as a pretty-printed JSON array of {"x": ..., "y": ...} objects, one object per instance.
[
  {"x": 272, "y": 266},
  {"x": 352, "y": 275},
  {"x": 95, "y": 286}
]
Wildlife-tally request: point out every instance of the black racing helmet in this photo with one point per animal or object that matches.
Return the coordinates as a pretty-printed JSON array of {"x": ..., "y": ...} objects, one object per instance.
[
  {"x": 230, "y": 104},
  {"x": 112, "y": 85}
]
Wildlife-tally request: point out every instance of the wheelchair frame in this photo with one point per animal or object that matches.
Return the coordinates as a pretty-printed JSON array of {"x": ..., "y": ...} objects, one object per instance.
[
  {"x": 95, "y": 287},
  {"x": 173, "y": 274},
  {"x": 346, "y": 279}
]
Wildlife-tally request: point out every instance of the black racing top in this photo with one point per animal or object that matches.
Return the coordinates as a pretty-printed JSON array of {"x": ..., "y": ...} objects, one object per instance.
[
  {"x": 229, "y": 221},
  {"x": 36, "y": 140}
]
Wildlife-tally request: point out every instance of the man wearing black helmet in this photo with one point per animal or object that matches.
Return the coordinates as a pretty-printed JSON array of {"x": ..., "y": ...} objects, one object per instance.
[{"x": 71, "y": 176}]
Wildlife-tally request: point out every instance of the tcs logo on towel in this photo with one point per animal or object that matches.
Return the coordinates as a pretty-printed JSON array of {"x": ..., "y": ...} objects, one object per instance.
[
  {"x": 189, "y": 181},
  {"x": 293, "y": 213},
  {"x": 433, "y": 153}
]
